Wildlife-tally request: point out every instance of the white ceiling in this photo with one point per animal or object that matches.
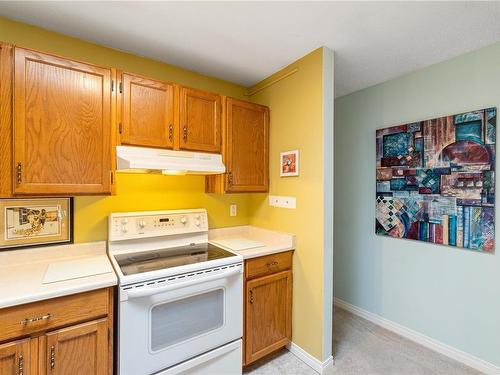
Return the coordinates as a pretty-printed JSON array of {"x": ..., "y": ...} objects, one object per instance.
[{"x": 244, "y": 42}]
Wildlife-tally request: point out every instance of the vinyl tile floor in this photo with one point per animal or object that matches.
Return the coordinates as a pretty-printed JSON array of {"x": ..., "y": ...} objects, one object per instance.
[{"x": 363, "y": 348}]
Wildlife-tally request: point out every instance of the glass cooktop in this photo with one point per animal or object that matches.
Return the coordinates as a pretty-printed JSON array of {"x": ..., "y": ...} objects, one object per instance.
[{"x": 153, "y": 260}]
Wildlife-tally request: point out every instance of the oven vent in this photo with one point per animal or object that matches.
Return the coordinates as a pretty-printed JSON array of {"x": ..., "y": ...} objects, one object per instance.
[{"x": 183, "y": 277}]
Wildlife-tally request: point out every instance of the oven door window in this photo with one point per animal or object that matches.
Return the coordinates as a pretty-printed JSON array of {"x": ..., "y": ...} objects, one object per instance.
[{"x": 185, "y": 319}]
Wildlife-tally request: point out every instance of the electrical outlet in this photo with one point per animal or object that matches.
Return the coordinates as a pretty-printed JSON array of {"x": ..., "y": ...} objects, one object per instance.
[
  {"x": 284, "y": 202},
  {"x": 233, "y": 210}
]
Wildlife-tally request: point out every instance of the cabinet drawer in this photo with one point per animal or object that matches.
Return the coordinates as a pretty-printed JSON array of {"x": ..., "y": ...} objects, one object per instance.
[
  {"x": 268, "y": 264},
  {"x": 26, "y": 319}
]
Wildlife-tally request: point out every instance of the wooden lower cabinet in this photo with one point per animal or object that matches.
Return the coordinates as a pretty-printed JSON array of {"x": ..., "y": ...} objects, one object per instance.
[
  {"x": 77, "y": 350},
  {"x": 81, "y": 348},
  {"x": 15, "y": 358},
  {"x": 268, "y": 306}
]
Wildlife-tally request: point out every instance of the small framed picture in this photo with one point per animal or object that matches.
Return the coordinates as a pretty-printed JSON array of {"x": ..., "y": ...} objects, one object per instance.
[
  {"x": 289, "y": 163},
  {"x": 35, "y": 222}
]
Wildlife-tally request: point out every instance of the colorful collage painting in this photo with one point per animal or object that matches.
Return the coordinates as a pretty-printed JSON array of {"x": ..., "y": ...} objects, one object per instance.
[{"x": 436, "y": 180}]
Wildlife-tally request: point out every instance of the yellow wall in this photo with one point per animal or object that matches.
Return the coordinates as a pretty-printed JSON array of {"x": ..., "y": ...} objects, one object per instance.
[
  {"x": 134, "y": 192},
  {"x": 297, "y": 123}
]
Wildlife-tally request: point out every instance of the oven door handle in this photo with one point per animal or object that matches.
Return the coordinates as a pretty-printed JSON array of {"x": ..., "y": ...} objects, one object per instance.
[{"x": 149, "y": 291}]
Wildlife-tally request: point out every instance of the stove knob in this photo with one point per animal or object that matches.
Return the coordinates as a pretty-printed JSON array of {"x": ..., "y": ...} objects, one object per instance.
[
  {"x": 197, "y": 217},
  {"x": 124, "y": 229},
  {"x": 197, "y": 222},
  {"x": 183, "y": 220},
  {"x": 142, "y": 223}
]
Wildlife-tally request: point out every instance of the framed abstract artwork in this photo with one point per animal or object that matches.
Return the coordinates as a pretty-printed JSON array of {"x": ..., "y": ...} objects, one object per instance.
[
  {"x": 436, "y": 180},
  {"x": 35, "y": 222}
]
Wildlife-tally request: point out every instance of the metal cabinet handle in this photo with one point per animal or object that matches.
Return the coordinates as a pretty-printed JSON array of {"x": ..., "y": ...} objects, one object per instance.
[
  {"x": 170, "y": 132},
  {"x": 185, "y": 133},
  {"x": 251, "y": 296},
  {"x": 52, "y": 357},
  {"x": 20, "y": 365},
  {"x": 230, "y": 178},
  {"x": 271, "y": 264},
  {"x": 35, "y": 319},
  {"x": 19, "y": 172}
]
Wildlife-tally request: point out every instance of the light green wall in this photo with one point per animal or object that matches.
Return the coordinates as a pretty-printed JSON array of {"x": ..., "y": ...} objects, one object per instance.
[{"x": 448, "y": 294}]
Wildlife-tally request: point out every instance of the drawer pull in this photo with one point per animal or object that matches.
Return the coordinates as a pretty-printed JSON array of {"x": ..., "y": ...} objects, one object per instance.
[
  {"x": 251, "y": 296},
  {"x": 185, "y": 133},
  {"x": 20, "y": 365},
  {"x": 271, "y": 264},
  {"x": 35, "y": 319},
  {"x": 52, "y": 357}
]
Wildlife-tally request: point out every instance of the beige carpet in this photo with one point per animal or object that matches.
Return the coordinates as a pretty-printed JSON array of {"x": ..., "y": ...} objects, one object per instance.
[{"x": 363, "y": 348}]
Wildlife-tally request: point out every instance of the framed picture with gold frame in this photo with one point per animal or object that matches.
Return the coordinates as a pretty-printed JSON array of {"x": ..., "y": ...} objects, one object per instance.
[{"x": 35, "y": 222}]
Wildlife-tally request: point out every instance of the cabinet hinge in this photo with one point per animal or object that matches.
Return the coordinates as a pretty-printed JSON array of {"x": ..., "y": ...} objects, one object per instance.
[
  {"x": 112, "y": 85},
  {"x": 121, "y": 87},
  {"x": 120, "y": 128}
]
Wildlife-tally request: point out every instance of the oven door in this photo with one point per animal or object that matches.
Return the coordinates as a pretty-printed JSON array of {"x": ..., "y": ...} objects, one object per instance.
[{"x": 165, "y": 322}]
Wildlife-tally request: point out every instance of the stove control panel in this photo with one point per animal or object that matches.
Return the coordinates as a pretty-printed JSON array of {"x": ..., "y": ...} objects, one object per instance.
[{"x": 156, "y": 223}]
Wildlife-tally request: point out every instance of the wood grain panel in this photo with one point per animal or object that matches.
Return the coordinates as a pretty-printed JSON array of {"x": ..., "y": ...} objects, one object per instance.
[
  {"x": 63, "y": 311},
  {"x": 268, "y": 264},
  {"x": 148, "y": 112},
  {"x": 15, "y": 358},
  {"x": 5, "y": 121},
  {"x": 200, "y": 120},
  {"x": 268, "y": 315},
  {"x": 78, "y": 350},
  {"x": 111, "y": 325},
  {"x": 62, "y": 125},
  {"x": 247, "y": 150}
]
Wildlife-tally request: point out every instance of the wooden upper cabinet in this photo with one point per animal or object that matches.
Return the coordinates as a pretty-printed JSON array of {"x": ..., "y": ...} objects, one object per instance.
[
  {"x": 63, "y": 125},
  {"x": 77, "y": 350},
  {"x": 147, "y": 112},
  {"x": 268, "y": 323},
  {"x": 247, "y": 147},
  {"x": 15, "y": 358},
  {"x": 200, "y": 120}
]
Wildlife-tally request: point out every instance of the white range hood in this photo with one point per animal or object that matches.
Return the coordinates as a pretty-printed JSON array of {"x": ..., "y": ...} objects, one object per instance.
[{"x": 169, "y": 162}]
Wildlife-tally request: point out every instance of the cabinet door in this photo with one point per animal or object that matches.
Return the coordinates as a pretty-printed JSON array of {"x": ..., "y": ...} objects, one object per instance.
[
  {"x": 147, "y": 112},
  {"x": 247, "y": 148},
  {"x": 200, "y": 120},
  {"x": 62, "y": 125},
  {"x": 5, "y": 121},
  {"x": 15, "y": 358},
  {"x": 268, "y": 324},
  {"x": 77, "y": 350}
]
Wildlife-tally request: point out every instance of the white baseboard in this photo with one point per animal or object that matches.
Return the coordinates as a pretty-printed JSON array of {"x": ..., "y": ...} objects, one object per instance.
[
  {"x": 437, "y": 346},
  {"x": 312, "y": 362}
]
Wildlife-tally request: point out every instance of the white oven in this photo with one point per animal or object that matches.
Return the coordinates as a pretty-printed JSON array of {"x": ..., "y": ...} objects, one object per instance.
[
  {"x": 180, "y": 298},
  {"x": 166, "y": 321}
]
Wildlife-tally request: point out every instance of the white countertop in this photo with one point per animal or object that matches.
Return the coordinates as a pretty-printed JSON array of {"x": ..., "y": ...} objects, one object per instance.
[
  {"x": 272, "y": 242},
  {"x": 22, "y": 272}
]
